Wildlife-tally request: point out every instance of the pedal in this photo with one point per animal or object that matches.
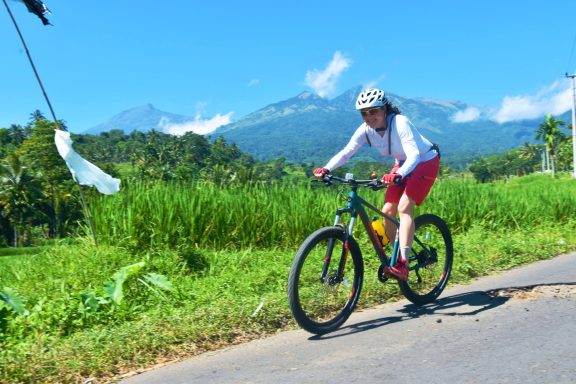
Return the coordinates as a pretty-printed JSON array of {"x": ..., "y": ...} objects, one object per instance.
[{"x": 382, "y": 276}]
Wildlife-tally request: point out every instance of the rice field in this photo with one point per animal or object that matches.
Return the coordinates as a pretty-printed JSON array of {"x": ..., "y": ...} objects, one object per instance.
[{"x": 207, "y": 215}]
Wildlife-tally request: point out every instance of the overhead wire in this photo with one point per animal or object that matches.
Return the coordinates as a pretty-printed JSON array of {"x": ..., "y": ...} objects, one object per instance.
[
  {"x": 58, "y": 125},
  {"x": 87, "y": 212}
]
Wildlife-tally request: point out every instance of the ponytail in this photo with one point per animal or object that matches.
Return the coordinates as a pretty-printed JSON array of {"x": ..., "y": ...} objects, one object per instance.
[{"x": 390, "y": 108}]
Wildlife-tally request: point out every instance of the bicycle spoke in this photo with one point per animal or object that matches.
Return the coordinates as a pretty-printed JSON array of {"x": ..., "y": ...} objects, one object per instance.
[
  {"x": 430, "y": 261},
  {"x": 321, "y": 301}
]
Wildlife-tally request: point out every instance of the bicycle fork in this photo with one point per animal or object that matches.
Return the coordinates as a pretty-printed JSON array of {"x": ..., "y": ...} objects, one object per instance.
[{"x": 339, "y": 276}]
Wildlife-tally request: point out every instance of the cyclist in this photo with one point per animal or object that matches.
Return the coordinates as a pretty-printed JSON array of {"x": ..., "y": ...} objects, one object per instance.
[{"x": 417, "y": 162}]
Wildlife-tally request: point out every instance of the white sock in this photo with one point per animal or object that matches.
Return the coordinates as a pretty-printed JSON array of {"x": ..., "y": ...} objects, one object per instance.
[{"x": 404, "y": 254}]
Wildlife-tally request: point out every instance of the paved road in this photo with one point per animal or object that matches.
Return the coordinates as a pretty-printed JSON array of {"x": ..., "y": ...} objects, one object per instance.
[{"x": 478, "y": 333}]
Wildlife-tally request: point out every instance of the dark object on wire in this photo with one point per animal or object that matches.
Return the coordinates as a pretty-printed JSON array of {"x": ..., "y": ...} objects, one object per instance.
[
  {"x": 38, "y": 8},
  {"x": 33, "y": 66}
]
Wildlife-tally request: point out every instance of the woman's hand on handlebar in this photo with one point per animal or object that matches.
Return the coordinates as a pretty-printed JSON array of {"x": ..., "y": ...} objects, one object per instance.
[
  {"x": 319, "y": 173},
  {"x": 391, "y": 178}
]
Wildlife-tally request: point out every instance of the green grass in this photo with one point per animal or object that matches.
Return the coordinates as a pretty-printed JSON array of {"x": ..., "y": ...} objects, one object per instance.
[
  {"x": 208, "y": 310},
  {"x": 222, "y": 296},
  {"x": 205, "y": 215},
  {"x": 21, "y": 251}
]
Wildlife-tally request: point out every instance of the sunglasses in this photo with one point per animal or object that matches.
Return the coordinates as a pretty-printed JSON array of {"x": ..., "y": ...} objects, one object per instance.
[{"x": 370, "y": 112}]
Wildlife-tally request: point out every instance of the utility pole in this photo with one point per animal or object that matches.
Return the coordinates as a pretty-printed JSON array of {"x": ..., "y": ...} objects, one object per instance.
[{"x": 573, "y": 123}]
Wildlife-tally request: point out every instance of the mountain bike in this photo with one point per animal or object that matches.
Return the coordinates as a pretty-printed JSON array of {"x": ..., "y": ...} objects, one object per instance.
[{"x": 328, "y": 270}]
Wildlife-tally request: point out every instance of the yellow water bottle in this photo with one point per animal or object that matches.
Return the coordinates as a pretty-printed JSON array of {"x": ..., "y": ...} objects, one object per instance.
[{"x": 379, "y": 229}]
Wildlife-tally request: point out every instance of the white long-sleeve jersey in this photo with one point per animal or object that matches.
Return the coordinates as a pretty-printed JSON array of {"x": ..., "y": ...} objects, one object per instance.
[{"x": 408, "y": 146}]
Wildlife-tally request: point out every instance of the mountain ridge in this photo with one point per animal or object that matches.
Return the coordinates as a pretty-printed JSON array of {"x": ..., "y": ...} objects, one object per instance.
[
  {"x": 308, "y": 128},
  {"x": 305, "y": 137},
  {"x": 141, "y": 118}
]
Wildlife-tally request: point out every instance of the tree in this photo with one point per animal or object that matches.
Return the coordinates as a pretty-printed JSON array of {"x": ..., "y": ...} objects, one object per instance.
[
  {"x": 19, "y": 192},
  {"x": 17, "y": 134},
  {"x": 549, "y": 132},
  {"x": 37, "y": 115},
  {"x": 482, "y": 170},
  {"x": 4, "y": 142},
  {"x": 158, "y": 159},
  {"x": 531, "y": 154},
  {"x": 38, "y": 152},
  {"x": 192, "y": 151},
  {"x": 565, "y": 155},
  {"x": 227, "y": 162},
  {"x": 6, "y": 229}
]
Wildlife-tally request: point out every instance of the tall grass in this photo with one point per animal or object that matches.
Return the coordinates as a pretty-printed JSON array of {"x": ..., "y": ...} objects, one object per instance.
[
  {"x": 205, "y": 215},
  {"x": 519, "y": 203}
]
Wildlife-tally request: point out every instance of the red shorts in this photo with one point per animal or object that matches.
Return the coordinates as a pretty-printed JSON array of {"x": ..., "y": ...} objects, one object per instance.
[{"x": 416, "y": 185}]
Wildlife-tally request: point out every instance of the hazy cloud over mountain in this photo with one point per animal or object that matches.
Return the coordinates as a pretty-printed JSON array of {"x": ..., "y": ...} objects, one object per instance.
[
  {"x": 555, "y": 99},
  {"x": 198, "y": 125},
  {"x": 466, "y": 115}
]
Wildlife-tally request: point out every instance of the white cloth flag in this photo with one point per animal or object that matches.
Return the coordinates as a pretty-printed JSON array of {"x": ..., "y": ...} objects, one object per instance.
[{"x": 83, "y": 171}]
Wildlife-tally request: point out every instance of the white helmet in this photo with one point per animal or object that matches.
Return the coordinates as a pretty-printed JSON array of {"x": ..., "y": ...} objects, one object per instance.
[{"x": 371, "y": 98}]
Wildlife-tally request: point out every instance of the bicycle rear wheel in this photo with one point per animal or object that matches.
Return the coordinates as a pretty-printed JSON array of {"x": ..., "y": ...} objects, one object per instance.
[
  {"x": 430, "y": 260},
  {"x": 325, "y": 280}
]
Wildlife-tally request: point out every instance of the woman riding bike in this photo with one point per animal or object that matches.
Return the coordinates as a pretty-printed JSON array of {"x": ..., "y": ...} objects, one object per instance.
[{"x": 417, "y": 162}]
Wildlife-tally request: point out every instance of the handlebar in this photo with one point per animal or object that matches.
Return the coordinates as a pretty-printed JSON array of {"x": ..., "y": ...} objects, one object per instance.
[{"x": 374, "y": 184}]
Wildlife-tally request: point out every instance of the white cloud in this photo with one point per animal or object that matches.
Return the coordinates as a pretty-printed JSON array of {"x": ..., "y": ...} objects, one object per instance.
[
  {"x": 253, "y": 82},
  {"x": 198, "y": 125},
  {"x": 324, "y": 82},
  {"x": 466, "y": 116},
  {"x": 554, "y": 99}
]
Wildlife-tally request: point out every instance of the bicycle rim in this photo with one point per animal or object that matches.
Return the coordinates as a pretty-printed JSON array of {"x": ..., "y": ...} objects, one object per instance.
[
  {"x": 320, "y": 304},
  {"x": 430, "y": 262}
]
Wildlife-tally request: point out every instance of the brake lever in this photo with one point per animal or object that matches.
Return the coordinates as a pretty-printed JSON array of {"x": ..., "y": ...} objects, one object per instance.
[
  {"x": 375, "y": 185},
  {"x": 326, "y": 181}
]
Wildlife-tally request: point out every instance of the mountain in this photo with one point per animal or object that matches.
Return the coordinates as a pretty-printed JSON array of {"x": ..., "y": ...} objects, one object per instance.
[
  {"x": 143, "y": 118},
  {"x": 311, "y": 129}
]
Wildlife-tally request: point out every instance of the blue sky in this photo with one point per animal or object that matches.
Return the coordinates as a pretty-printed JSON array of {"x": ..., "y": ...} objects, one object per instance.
[{"x": 219, "y": 61}]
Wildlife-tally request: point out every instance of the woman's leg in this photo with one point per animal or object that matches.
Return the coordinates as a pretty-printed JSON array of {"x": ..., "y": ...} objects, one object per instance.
[
  {"x": 390, "y": 209},
  {"x": 406, "y": 234},
  {"x": 407, "y": 226}
]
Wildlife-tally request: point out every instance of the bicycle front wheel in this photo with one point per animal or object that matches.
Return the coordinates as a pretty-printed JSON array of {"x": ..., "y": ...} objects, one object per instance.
[
  {"x": 430, "y": 260},
  {"x": 325, "y": 280}
]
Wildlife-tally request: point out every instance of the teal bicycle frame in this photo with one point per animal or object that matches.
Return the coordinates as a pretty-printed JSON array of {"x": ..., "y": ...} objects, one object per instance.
[{"x": 355, "y": 207}]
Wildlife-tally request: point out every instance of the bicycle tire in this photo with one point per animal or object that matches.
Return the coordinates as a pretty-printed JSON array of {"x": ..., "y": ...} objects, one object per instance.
[
  {"x": 318, "y": 306},
  {"x": 429, "y": 272}
]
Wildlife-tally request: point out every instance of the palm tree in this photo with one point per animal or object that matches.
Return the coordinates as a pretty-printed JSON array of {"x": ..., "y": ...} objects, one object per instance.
[
  {"x": 565, "y": 154},
  {"x": 531, "y": 155},
  {"x": 17, "y": 134},
  {"x": 549, "y": 132},
  {"x": 18, "y": 194},
  {"x": 37, "y": 115}
]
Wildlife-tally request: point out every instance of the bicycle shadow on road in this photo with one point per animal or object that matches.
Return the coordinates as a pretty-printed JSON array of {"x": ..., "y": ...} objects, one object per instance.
[{"x": 463, "y": 304}]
